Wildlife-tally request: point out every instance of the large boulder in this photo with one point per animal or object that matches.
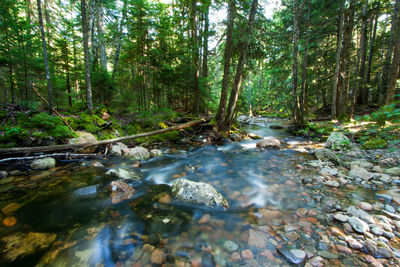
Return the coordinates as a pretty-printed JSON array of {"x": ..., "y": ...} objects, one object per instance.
[
  {"x": 126, "y": 173},
  {"x": 138, "y": 153},
  {"x": 44, "y": 163},
  {"x": 198, "y": 193},
  {"x": 82, "y": 138},
  {"x": 338, "y": 141},
  {"x": 20, "y": 245},
  {"x": 269, "y": 142},
  {"x": 324, "y": 154},
  {"x": 119, "y": 149}
]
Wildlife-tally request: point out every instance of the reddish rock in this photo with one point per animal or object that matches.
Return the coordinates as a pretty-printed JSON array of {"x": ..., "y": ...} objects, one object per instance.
[
  {"x": 158, "y": 256},
  {"x": 365, "y": 206},
  {"x": 268, "y": 254},
  {"x": 205, "y": 218},
  {"x": 165, "y": 199},
  {"x": 344, "y": 249},
  {"x": 247, "y": 254},
  {"x": 10, "y": 221},
  {"x": 236, "y": 257},
  {"x": 316, "y": 262},
  {"x": 257, "y": 239}
]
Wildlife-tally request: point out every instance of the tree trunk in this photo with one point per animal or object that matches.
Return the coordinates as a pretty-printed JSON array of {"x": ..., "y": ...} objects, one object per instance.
[
  {"x": 362, "y": 89},
  {"x": 100, "y": 34},
  {"x": 240, "y": 67},
  {"x": 304, "y": 70},
  {"x": 388, "y": 58},
  {"x": 120, "y": 40},
  {"x": 85, "y": 32},
  {"x": 371, "y": 49},
  {"x": 45, "y": 58},
  {"x": 295, "y": 55},
  {"x": 205, "y": 47},
  {"x": 394, "y": 69},
  {"x": 195, "y": 59},
  {"x": 221, "y": 113},
  {"x": 334, "y": 112}
]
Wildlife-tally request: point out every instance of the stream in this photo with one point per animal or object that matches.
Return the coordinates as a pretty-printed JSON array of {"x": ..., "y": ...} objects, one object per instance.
[{"x": 272, "y": 206}]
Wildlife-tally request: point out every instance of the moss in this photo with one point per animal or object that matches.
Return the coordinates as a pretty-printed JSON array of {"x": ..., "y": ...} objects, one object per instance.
[
  {"x": 170, "y": 136},
  {"x": 376, "y": 143}
]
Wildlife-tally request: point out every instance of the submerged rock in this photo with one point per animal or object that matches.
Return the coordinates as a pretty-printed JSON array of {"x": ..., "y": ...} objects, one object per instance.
[
  {"x": 359, "y": 172},
  {"x": 120, "y": 191},
  {"x": 358, "y": 225},
  {"x": 126, "y": 173},
  {"x": 21, "y": 245},
  {"x": 138, "y": 153},
  {"x": 338, "y": 141},
  {"x": 295, "y": 256},
  {"x": 45, "y": 163},
  {"x": 11, "y": 208},
  {"x": 269, "y": 142},
  {"x": 324, "y": 154},
  {"x": 85, "y": 191},
  {"x": 198, "y": 193}
]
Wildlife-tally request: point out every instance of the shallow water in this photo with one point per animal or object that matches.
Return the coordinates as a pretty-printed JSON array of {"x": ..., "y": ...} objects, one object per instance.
[{"x": 264, "y": 189}]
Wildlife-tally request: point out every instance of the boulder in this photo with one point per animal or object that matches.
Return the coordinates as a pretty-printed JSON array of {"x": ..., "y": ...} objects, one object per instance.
[
  {"x": 198, "y": 193},
  {"x": 155, "y": 153},
  {"x": 359, "y": 172},
  {"x": 3, "y": 174},
  {"x": 324, "y": 154},
  {"x": 44, "y": 163},
  {"x": 82, "y": 138},
  {"x": 269, "y": 142},
  {"x": 138, "y": 153},
  {"x": 118, "y": 149},
  {"x": 393, "y": 171},
  {"x": 338, "y": 141},
  {"x": 20, "y": 245},
  {"x": 235, "y": 137},
  {"x": 120, "y": 191},
  {"x": 126, "y": 173},
  {"x": 362, "y": 163}
]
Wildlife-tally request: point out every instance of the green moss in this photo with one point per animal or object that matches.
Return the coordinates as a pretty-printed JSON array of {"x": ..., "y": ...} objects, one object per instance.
[
  {"x": 376, "y": 143},
  {"x": 170, "y": 136}
]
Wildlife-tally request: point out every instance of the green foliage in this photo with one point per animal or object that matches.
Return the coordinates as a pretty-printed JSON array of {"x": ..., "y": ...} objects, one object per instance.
[
  {"x": 12, "y": 136},
  {"x": 165, "y": 137},
  {"x": 374, "y": 144},
  {"x": 386, "y": 113}
]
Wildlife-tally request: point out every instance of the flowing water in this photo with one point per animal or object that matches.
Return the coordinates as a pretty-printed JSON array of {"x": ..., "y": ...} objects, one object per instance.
[{"x": 265, "y": 191}]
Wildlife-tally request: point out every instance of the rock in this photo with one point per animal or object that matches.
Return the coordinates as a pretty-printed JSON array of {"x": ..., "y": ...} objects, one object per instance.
[
  {"x": 383, "y": 253},
  {"x": 105, "y": 116},
  {"x": 365, "y": 206},
  {"x": 20, "y": 245},
  {"x": 276, "y": 126},
  {"x": 359, "y": 172},
  {"x": 158, "y": 256},
  {"x": 236, "y": 257},
  {"x": 120, "y": 191},
  {"x": 44, "y": 163},
  {"x": 354, "y": 244},
  {"x": 328, "y": 171},
  {"x": 295, "y": 256},
  {"x": 358, "y": 225},
  {"x": 324, "y": 154},
  {"x": 82, "y": 138},
  {"x": 198, "y": 193},
  {"x": 316, "y": 262},
  {"x": 235, "y": 137},
  {"x": 155, "y": 153},
  {"x": 344, "y": 249},
  {"x": 332, "y": 183},
  {"x": 9, "y": 221},
  {"x": 387, "y": 198},
  {"x": 96, "y": 164},
  {"x": 3, "y": 174},
  {"x": 362, "y": 164},
  {"x": 395, "y": 195},
  {"x": 118, "y": 149},
  {"x": 341, "y": 217},
  {"x": 164, "y": 199},
  {"x": 85, "y": 191},
  {"x": 328, "y": 255},
  {"x": 337, "y": 141},
  {"x": 257, "y": 239},
  {"x": 247, "y": 254},
  {"x": 138, "y": 153},
  {"x": 269, "y": 142},
  {"x": 11, "y": 208},
  {"x": 230, "y": 246},
  {"x": 377, "y": 169},
  {"x": 393, "y": 171},
  {"x": 125, "y": 173}
]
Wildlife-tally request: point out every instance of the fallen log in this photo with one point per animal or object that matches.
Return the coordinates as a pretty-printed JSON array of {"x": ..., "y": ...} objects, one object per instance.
[
  {"x": 54, "y": 155},
  {"x": 37, "y": 149}
]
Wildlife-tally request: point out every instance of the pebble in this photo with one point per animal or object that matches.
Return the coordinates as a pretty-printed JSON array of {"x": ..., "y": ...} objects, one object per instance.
[
  {"x": 341, "y": 217},
  {"x": 230, "y": 246},
  {"x": 236, "y": 257},
  {"x": 316, "y": 262},
  {"x": 354, "y": 244},
  {"x": 365, "y": 206},
  {"x": 358, "y": 225},
  {"x": 158, "y": 256},
  {"x": 377, "y": 231},
  {"x": 344, "y": 249},
  {"x": 332, "y": 183},
  {"x": 295, "y": 256},
  {"x": 390, "y": 208},
  {"x": 247, "y": 254},
  {"x": 383, "y": 253},
  {"x": 257, "y": 239},
  {"x": 385, "y": 197},
  {"x": 328, "y": 255}
]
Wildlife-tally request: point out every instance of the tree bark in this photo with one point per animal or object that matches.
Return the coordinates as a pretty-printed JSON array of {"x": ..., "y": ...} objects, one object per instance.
[
  {"x": 120, "y": 40},
  {"x": 221, "y": 113},
  {"x": 371, "y": 49},
  {"x": 394, "y": 69},
  {"x": 195, "y": 59},
  {"x": 100, "y": 34},
  {"x": 388, "y": 58},
  {"x": 205, "y": 47},
  {"x": 304, "y": 70},
  {"x": 334, "y": 111},
  {"x": 362, "y": 89},
  {"x": 85, "y": 32},
  {"x": 240, "y": 67},
  {"x": 45, "y": 58}
]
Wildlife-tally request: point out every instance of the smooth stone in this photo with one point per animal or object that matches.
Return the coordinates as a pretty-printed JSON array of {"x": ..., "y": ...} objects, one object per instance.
[
  {"x": 137, "y": 153},
  {"x": 247, "y": 254},
  {"x": 361, "y": 173},
  {"x": 230, "y": 246},
  {"x": 331, "y": 183},
  {"x": 390, "y": 208},
  {"x": 44, "y": 163},
  {"x": 316, "y": 262},
  {"x": 383, "y": 253},
  {"x": 155, "y": 153},
  {"x": 358, "y": 225},
  {"x": 328, "y": 171},
  {"x": 328, "y": 255},
  {"x": 158, "y": 256},
  {"x": 365, "y": 206},
  {"x": 269, "y": 142},
  {"x": 3, "y": 174},
  {"x": 377, "y": 231},
  {"x": 385, "y": 197},
  {"x": 337, "y": 141},
  {"x": 295, "y": 256},
  {"x": 11, "y": 208},
  {"x": 341, "y": 217},
  {"x": 257, "y": 239},
  {"x": 82, "y": 138},
  {"x": 395, "y": 171},
  {"x": 324, "y": 154},
  {"x": 118, "y": 149},
  {"x": 126, "y": 173}
]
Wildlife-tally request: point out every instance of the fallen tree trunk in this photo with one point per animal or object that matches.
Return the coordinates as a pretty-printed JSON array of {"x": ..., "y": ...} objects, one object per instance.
[
  {"x": 37, "y": 149},
  {"x": 54, "y": 155}
]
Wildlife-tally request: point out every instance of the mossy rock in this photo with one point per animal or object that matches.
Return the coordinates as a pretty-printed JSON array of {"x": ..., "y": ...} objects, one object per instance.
[{"x": 376, "y": 143}]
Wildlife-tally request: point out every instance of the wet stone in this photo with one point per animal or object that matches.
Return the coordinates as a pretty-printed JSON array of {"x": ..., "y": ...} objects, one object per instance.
[
  {"x": 295, "y": 256},
  {"x": 247, "y": 254},
  {"x": 341, "y": 217},
  {"x": 316, "y": 262},
  {"x": 377, "y": 231},
  {"x": 257, "y": 239},
  {"x": 328, "y": 255},
  {"x": 230, "y": 246},
  {"x": 385, "y": 197},
  {"x": 365, "y": 206},
  {"x": 358, "y": 225},
  {"x": 383, "y": 253}
]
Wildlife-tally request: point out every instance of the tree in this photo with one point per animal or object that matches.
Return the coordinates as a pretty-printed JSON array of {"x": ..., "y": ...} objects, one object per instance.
[
  {"x": 297, "y": 113},
  {"x": 85, "y": 32},
  {"x": 45, "y": 57}
]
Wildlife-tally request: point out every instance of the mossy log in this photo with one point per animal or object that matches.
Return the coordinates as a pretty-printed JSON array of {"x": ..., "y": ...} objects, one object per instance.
[{"x": 39, "y": 149}]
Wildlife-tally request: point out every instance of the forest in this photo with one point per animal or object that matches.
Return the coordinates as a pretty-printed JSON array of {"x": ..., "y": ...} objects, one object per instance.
[{"x": 199, "y": 133}]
